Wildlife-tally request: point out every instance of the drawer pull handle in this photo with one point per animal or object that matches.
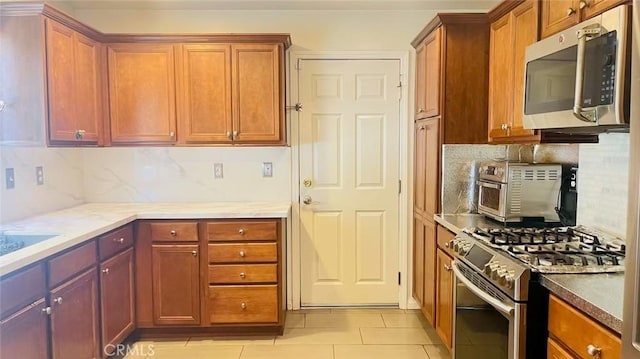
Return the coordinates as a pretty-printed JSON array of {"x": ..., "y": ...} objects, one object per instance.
[
  {"x": 447, "y": 268},
  {"x": 173, "y": 232},
  {"x": 46, "y": 310},
  {"x": 119, "y": 240},
  {"x": 593, "y": 350},
  {"x": 448, "y": 244},
  {"x": 243, "y": 305},
  {"x": 242, "y": 275},
  {"x": 58, "y": 300},
  {"x": 105, "y": 271},
  {"x": 242, "y": 254},
  {"x": 241, "y": 232},
  {"x": 194, "y": 253}
]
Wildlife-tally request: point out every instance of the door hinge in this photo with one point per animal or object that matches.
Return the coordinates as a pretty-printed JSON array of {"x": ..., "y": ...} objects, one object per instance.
[
  {"x": 399, "y": 278},
  {"x": 399, "y": 186}
]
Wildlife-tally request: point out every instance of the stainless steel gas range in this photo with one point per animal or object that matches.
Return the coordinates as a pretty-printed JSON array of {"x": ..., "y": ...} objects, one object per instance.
[{"x": 500, "y": 309}]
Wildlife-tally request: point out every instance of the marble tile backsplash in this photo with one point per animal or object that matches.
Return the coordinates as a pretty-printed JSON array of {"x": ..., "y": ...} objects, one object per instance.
[{"x": 603, "y": 183}]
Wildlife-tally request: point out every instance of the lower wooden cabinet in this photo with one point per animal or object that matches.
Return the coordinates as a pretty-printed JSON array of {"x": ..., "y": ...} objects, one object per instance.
[
  {"x": 117, "y": 301},
  {"x": 429, "y": 276},
  {"x": 24, "y": 334},
  {"x": 176, "y": 284},
  {"x": 243, "y": 304},
  {"x": 444, "y": 295},
  {"x": 556, "y": 351},
  {"x": 418, "y": 260},
  {"x": 75, "y": 318}
]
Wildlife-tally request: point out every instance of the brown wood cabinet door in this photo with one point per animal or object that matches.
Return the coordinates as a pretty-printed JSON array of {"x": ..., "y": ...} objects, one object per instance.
[
  {"x": 418, "y": 260},
  {"x": 500, "y": 77},
  {"x": 444, "y": 292},
  {"x": 24, "y": 334},
  {"x": 176, "y": 284},
  {"x": 557, "y": 15},
  {"x": 525, "y": 33},
  {"x": 205, "y": 94},
  {"x": 432, "y": 167},
  {"x": 433, "y": 73},
  {"x": 61, "y": 81},
  {"x": 420, "y": 81},
  {"x": 75, "y": 318},
  {"x": 419, "y": 171},
  {"x": 591, "y": 8},
  {"x": 429, "y": 302},
  {"x": 257, "y": 99},
  {"x": 116, "y": 297},
  {"x": 88, "y": 88},
  {"x": 142, "y": 95}
]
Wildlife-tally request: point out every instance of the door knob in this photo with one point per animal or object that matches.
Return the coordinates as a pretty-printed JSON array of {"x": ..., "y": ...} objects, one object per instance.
[
  {"x": 307, "y": 182},
  {"x": 307, "y": 200}
]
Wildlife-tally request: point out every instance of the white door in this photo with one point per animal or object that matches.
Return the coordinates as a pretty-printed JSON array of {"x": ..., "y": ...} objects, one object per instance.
[{"x": 349, "y": 171}]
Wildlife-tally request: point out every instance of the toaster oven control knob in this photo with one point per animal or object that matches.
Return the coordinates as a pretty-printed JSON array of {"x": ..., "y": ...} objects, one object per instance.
[
  {"x": 509, "y": 281},
  {"x": 498, "y": 272},
  {"x": 488, "y": 268}
]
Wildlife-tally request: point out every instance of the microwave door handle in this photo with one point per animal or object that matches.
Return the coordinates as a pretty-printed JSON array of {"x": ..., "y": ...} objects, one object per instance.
[
  {"x": 589, "y": 31},
  {"x": 498, "y": 305}
]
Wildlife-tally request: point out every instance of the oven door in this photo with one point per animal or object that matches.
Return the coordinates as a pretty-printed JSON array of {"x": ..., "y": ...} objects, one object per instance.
[
  {"x": 492, "y": 199},
  {"x": 487, "y": 324}
]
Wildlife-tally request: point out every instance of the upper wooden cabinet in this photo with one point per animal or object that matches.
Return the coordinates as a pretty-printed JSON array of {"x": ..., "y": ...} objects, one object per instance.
[
  {"x": 430, "y": 71},
  {"x": 557, "y": 15},
  {"x": 74, "y": 69},
  {"x": 231, "y": 93}
]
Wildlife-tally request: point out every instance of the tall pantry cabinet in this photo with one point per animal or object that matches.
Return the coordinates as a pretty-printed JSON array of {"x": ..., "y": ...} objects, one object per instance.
[{"x": 452, "y": 61}]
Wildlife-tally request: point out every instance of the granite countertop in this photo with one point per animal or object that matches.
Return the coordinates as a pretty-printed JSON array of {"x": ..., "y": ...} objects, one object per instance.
[
  {"x": 81, "y": 223},
  {"x": 598, "y": 295}
]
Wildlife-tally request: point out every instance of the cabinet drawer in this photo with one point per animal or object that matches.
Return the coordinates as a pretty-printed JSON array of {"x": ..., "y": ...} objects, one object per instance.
[
  {"x": 243, "y": 252},
  {"x": 556, "y": 351},
  {"x": 21, "y": 289},
  {"x": 243, "y": 273},
  {"x": 577, "y": 331},
  {"x": 174, "y": 231},
  {"x": 243, "y": 230},
  {"x": 115, "y": 242},
  {"x": 243, "y": 304},
  {"x": 444, "y": 236},
  {"x": 66, "y": 265}
]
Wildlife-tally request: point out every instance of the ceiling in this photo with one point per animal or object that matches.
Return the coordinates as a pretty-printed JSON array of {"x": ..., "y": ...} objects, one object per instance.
[{"x": 436, "y": 5}]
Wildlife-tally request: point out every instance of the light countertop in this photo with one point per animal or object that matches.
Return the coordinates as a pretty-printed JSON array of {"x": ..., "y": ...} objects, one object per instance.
[
  {"x": 81, "y": 223},
  {"x": 457, "y": 222}
]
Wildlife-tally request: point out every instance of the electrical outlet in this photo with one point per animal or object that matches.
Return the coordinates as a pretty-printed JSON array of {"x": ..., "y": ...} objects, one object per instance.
[
  {"x": 218, "y": 170},
  {"x": 10, "y": 178},
  {"x": 267, "y": 169},
  {"x": 39, "y": 175}
]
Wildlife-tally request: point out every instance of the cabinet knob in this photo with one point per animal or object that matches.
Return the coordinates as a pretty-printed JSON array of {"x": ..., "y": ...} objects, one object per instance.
[
  {"x": 421, "y": 128},
  {"x": 119, "y": 240},
  {"x": 46, "y": 310},
  {"x": 194, "y": 253},
  {"x": 242, "y": 254},
  {"x": 242, "y": 275},
  {"x": 420, "y": 110},
  {"x": 571, "y": 11},
  {"x": 584, "y": 4},
  {"x": 235, "y": 135},
  {"x": 105, "y": 271},
  {"x": 243, "y": 305},
  {"x": 229, "y": 135},
  {"x": 447, "y": 268},
  {"x": 448, "y": 244},
  {"x": 58, "y": 300},
  {"x": 172, "y": 134},
  {"x": 79, "y": 134},
  {"x": 173, "y": 232},
  {"x": 241, "y": 232},
  {"x": 593, "y": 350}
]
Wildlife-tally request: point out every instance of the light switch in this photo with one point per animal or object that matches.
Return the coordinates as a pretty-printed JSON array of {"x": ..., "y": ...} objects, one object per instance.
[
  {"x": 39, "y": 175},
  {"x": 267, "y": 169},
  {"x": 218, "y": 170}
]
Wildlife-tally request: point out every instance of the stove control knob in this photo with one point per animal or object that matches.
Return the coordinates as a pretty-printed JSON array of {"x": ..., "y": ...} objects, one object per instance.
[
  {"x": 487, "y": 268},
  {"x": 456, "y": 245},
  {"x": 510, "y": 281},
  {"x": 498, "y": 272}
]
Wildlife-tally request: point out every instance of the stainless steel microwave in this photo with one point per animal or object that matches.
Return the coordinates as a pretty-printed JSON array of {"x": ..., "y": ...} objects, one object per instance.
[{"x": 579, "y": 79}]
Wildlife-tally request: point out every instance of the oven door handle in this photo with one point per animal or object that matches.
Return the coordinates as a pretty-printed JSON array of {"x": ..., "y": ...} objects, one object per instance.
[
  {"x": 489, "y": 185},
  {"x": 499, "y": 306}
]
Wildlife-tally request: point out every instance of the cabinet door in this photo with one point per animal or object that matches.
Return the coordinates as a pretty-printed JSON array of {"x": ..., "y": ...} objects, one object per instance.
[
  {"x": 116, "y": 297},
  {"x": 433, "y": 73},
  {"x": 420, "y": 81},
  {"x": 74, "y": 318},
  {"x": 61, "y": 81},
  {"x": 418, "y": 260},
  {"x": 525, "y": 33},
  {"x": 557, "y": 15},
  {"x": 257, "y": 99},
  {"x": 432, "y": 167},
  {"x": 591, "y": 8},
  {"x": 429, "y": 302},
  {"x": 419, "y": 171},
  {"x": 142, "y": 93},
  {"x": 500, "y": 77},
  {"x": 88, "y": 88},
  {"x": 176, "y": 284},
  {"x": 24, "y": 334},
  {"x": 205, "y": 89},
  {"x": 444, "y": 312}
]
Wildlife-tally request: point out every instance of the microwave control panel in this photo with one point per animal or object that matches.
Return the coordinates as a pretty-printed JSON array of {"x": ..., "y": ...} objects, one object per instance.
[{"x": 600, "y": 70}]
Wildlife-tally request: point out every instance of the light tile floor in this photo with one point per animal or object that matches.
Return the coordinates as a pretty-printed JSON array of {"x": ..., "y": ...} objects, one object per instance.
[{"x": 317, "y": 334}]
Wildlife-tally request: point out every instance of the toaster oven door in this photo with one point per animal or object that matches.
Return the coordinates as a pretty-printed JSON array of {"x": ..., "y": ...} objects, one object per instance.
[{"x": 492, "y": 199}]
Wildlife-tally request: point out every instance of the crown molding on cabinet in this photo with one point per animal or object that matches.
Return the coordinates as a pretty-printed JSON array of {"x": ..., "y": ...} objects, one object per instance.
[
  {"x": 503, "y": 8},
  {"x": 449, "y": 18}
]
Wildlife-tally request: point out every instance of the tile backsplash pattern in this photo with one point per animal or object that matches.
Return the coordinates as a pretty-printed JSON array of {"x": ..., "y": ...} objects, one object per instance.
[{"x": 603, "y": 182}]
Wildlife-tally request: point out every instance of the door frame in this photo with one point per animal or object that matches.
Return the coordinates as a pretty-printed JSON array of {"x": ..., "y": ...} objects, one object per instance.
[{"x": 294, "y": 247}]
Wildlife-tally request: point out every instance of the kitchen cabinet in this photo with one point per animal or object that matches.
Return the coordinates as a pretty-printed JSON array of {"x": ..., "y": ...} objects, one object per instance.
[
  {"x": 74, "y": 70},
  {"x": 231, "y": 93},
  {"x": 427, "y": 167},
  {"x": 573, "y": 334},
  {"x": 418, "y": 260},
  {"x": 558, "y": 15},
  {"x": 142, "y": 94},
  {"x": 444, "y": 298},
  {"x": 24, "y": 334},
  {"x": 430, "y": 72},
  {"x": 116, "y": 298},
  {"x": 429, "y": 273}
]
